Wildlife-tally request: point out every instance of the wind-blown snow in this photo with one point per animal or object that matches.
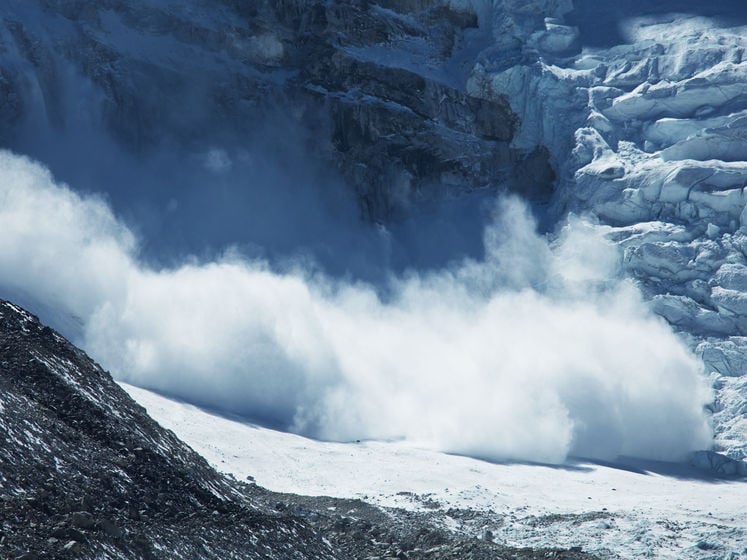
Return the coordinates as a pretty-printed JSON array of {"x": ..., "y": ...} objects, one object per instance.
[{"x": 534, "y": 352}]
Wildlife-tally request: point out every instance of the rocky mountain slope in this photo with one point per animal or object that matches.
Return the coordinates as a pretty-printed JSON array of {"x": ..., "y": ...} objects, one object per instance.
[
  {"x": 374, "y": 90},
  {"x": 85, "y": 473}
]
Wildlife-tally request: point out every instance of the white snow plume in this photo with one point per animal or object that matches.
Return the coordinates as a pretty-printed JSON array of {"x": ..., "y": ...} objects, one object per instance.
[{"x": 532, "y": 353}]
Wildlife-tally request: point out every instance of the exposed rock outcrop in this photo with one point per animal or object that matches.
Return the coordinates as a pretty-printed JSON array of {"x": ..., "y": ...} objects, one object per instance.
[
  {"x": 373, "y": 89},
  {"x": 85, "y": 472}
]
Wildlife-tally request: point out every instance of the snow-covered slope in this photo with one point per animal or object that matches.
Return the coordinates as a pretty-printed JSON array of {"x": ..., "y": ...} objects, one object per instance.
[{"x": 629, "y": 510}]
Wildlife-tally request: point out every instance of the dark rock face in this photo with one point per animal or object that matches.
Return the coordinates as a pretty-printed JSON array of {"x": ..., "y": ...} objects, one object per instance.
[
  {"x": 397, "y": 133},
  {"x": 374, "y": 89},
  {"x": 85, "y": 473}
]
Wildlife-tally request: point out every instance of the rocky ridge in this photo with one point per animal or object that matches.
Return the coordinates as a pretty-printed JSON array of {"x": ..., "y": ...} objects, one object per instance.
[
  {"x": 373, "y": 89},
  {"x": 84, "y": 472}
]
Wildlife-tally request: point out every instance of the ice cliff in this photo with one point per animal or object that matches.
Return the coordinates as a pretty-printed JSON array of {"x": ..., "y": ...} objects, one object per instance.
[{"x": 648, "y": 136}]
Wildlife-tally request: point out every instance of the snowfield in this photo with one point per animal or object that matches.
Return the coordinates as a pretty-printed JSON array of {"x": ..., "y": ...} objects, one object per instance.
[{"x": 628, "y": 510}]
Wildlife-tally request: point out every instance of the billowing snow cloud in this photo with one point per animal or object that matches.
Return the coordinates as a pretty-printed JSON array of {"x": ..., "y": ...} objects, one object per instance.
[{"x": 535, "y": 352}]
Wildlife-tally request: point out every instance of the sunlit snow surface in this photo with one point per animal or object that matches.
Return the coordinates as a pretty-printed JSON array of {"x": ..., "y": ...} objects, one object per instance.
[{"x": 656, "y": 510}]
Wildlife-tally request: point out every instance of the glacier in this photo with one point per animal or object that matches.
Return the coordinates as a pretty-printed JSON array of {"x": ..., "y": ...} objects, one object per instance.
[{"x": 648, "y": 137}]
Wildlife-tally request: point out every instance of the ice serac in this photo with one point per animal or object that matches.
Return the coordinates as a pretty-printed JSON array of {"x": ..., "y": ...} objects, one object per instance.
[{"x": 648, "y": 135}]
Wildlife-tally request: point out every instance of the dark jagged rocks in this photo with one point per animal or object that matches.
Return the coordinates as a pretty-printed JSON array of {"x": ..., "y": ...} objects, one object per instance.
[
  {"x": 85, "y": 473},
  {"x": 375, "y": 90},
  {"x": 82, "y": 463}
]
